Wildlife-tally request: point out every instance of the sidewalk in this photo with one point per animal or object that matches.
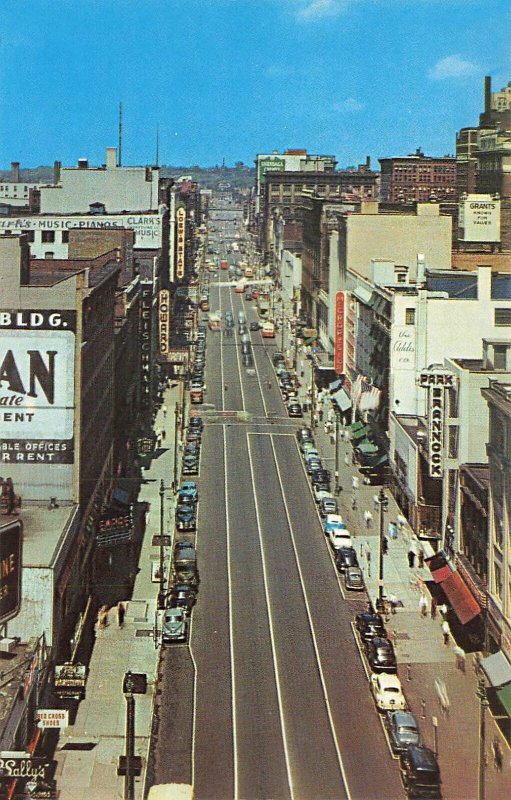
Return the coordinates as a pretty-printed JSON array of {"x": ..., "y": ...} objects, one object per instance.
[
  {"x": 88, "y": 750},
  {"x": 418, "y": 640}
]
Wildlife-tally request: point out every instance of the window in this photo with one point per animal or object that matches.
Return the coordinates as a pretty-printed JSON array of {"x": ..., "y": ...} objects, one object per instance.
[
  {"x": 48, "y": 236},
  {"x": 503, "y": 317},
  {"x": 500, "y": 356},
  {"x": 30, "y": 235},
  {"x": 49, "y": 255},
  {"x": 498, "y": 580},
  {"x": 409, "y": 316},
  {"x": 65, "y": 237},
  {"x": 401, "y": 278}
]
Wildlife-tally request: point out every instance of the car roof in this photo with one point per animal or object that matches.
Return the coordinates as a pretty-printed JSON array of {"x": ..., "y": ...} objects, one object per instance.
[
  {"x": 403, "y": 719},
  {"x": 386, "y": 679},
  {"x": 334, "y": 519}
]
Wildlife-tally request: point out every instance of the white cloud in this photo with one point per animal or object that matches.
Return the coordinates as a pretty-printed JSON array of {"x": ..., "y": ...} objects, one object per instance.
[
  {"x": 348, "y": 106},
  {"x": 452, "y": 67},
  {"x": 321, "y": 8}
]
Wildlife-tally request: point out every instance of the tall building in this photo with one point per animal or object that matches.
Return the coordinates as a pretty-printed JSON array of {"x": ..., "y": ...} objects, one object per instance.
[{"x": 418, "y": 178}]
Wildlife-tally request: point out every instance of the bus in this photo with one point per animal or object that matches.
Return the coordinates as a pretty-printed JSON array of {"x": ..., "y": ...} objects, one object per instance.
[
  {"x": 268, "y": 330},
  {"x": 249, "y": 272}
]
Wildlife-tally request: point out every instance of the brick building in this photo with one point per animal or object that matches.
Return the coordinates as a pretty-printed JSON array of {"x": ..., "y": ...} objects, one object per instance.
[{"x": 418, "y": 178}]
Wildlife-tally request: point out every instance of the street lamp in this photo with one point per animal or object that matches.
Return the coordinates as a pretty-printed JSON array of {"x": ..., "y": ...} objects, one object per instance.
[
  {"x": 384, "y": 504},
  {"x": 129, "y": 777},
  {"x": 337, "y": 437},
  {"x": 176, "y": 419},
  {"x": 483, "y": 705}
]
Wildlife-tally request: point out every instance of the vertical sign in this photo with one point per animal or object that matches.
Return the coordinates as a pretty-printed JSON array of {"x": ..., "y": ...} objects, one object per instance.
[
  {"x": 180, "y": 250},
  {"x": 340, "y": 299},
  {"x": 436, "y": 382},
  {"x": 11, "y": 536},
  {"x": 145, "y": 344},
  {"x": 164, "y": 324}
]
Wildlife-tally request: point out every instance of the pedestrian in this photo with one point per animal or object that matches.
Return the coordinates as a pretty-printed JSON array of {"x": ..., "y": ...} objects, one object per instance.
[
  {"x": 460, "y": 658},
  {"x": 423, "y": 605},
  {"x": 498, "y": 758},
  {"x": 103, "y": 617},
  {"x": 347, "y": 459},
  {"x": 411, "y": 558},
  {"x": 401, "y": 522},
  {"x": 394, "y": 602},
  {"x": 376, "y": 502},
  {"x": 354, "y": 503},
  {"x": 446, "y": 631},
  {"x": 443, "y": 609},
  {"x": 121, "y": 611},
  {"x": 368, "y": 519},
  {"x": 433, "y": 607},
  {"x": 354, "y": 483},
  {"x": 164, "y": 410},
  {"x": 392, "y": 527}
]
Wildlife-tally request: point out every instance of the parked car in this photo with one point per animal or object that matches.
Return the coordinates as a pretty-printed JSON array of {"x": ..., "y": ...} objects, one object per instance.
[
  {"x": 185, "y": 518},
  {"x": 191, "y": 489},
  {"x": 340, "y": 537},
  {"x": 304, "y": 434},
  {"x": 354, "y": 579},
  {"x": 294, "y": 409},
  {"x": 312, "y": 463},
  {"x": 322, "y": 494},
  {"x": 420, "y": 773},
  {"x": 346, "y": 558},
  {"x": 387, "y": 692},
  {"x": 320, "y": 476},
  {"x": 277, "y": 358},
  {"x": 402, "y": 729},
  {"x": 174, "y": 625},
  {"x": 254, "y": 326},
  {"x": 184, "y": 596},
  {"x": 196, "y": 422},
  {"x": 190, "y": 465},
  {"x": 327, "y": 505},
  {"x": 370, "y": 625},
  {"x": 380, "y": 654},
  {"x": 309, "y": 449}
]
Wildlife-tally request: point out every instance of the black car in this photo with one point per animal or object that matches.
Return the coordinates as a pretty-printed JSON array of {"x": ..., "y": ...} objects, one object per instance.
[
  {"x": 320, "y": 475},
  {"x": 304, "y": 434},
  {"x": 193, "y": 436},
  {"x": 294, "y": 409},
  {"x": 420, "y": 773},
  {"x": 196, "y": 422},
  {"x": 186, "y": 518},
  {"x": 190, "y": 465},
  {"x": 184, "y": 596},
  {"x": 370, "y": 625},
  {"x": 345, "y": 557},
  {"x": 192, "y": 449},
  {"x": 277, "y": 358},
  {"x": 254, "y": 326},
  {"x": 380, "y": 654}
]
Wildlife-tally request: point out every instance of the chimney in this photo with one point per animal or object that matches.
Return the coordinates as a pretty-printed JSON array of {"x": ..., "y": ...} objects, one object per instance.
[
  {"x": 15, "y": 171},
  {"x": 111, "y": 157},
  {"x": 368, "y": 162},
  {"x": 56, "y": 171},
  {"x": 83, "y": 163},
  {"x": 421, "y": 268},
  {"x": 487, "y": 94}
]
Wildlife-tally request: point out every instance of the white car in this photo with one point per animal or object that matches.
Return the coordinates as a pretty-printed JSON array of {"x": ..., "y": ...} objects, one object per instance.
[
  {"x": 387, "y": 692},
  {"x": 321, "y": 494},
  {"x": 337, "y": 531}
]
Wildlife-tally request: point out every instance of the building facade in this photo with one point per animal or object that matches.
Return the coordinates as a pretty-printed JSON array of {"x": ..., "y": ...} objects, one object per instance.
[{"x": 418, "y": 178}]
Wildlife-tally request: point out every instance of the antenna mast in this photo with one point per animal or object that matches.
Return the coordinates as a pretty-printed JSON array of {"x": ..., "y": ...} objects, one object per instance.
[{"x": 119, "y": 156}]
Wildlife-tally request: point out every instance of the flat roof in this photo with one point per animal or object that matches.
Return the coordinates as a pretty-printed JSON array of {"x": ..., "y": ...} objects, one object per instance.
[{"x": 42, "y": 531}]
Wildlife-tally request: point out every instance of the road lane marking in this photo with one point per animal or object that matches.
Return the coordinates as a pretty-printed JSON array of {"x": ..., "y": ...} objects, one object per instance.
[
  {"x": 312, "y": 631},
  {"x": 238, "y": 357},
  {"x": 231, "y": 626},
  {"x": 270, "y": 617}
]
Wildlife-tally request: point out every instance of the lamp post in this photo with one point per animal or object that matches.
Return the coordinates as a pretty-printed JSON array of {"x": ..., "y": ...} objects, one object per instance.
[
  {"x": 283, "y": 326},
  {"x": 483, "y": 705},
  {"x": 384, "y": 504},
  {"x": 337, "y": 437},
  {"x": 161, "y": 591},
  {"x": 129, "y": 777},
  {"x": 176, "y": 419}
]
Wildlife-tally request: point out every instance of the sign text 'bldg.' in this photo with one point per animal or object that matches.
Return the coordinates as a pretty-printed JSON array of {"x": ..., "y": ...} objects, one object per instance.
[
  {"x": 11, "y": 539},
  {"x": 37, "y": 356}
]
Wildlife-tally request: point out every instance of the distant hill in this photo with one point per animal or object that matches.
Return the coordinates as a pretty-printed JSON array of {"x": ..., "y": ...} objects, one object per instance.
[{"x": 239, "y": 177}]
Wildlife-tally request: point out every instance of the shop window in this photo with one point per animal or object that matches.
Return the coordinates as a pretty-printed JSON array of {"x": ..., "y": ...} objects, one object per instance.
[{"x": 48, "y": 236}]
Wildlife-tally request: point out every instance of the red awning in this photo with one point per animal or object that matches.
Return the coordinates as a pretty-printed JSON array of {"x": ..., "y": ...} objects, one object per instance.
[
  {"x": 439, "y": 567},
  {"x": 441, "y": 574},
  {"x": 461, "y": 599}
]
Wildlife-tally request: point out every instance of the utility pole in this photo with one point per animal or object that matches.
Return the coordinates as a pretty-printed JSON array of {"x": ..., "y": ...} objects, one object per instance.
[
  {"x": 129, "y": 778},
  {"x": 483, "y": 705},
  {"x": 337, "y": 436},
  {"x": 161, "y": 593},
  {"x": 176, "y": 418},
  {"x": 384, "y": 504},
  {"x": 283, "y": 326}
]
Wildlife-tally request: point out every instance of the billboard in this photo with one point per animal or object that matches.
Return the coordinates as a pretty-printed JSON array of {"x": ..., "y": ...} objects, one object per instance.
[
  {"x": 479, "y": 217},
  {"x": 340, "y": 316},
  {"x": 270, "y": 165},
  {"x": 37, "y": 360},
  {"x": 11, "y": 539},
  {"x": 147, "y": 227},
  {"x": 180, "y": 248}
]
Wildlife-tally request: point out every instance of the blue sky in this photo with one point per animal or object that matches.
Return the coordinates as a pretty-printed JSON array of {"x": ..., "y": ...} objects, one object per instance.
[{"x": 233, "y": 78}]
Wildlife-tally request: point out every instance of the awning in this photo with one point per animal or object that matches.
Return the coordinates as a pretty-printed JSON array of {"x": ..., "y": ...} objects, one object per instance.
[
  {"x": 364, "y": 295},
  {"x": 360, "y": 433},
  {"x": 367, "y": 447},
  {"x": 504, "y": 696},
  {"x": 460, "y": 598},
  {"x": 342, "y": 400},
  {"x": 335, "y": 385},
  {"x": 439, "y": 567},
  {"x": 378, "y": 461},
  {"x": 355, "y": 426},
  {"x": 497, "y": 669}
]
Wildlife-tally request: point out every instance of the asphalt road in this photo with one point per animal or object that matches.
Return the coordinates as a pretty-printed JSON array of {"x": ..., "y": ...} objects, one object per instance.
[{"x": 282, "y": 707}]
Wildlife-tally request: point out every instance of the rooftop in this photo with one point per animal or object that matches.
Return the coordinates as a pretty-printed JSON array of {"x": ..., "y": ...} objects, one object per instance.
[{"x": 42, "y": 531}]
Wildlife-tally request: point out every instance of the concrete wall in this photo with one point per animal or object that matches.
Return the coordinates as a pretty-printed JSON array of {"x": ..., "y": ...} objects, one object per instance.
[
  {"x": 36, "y": 612},
  {"x": 397, "y": 238}
]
